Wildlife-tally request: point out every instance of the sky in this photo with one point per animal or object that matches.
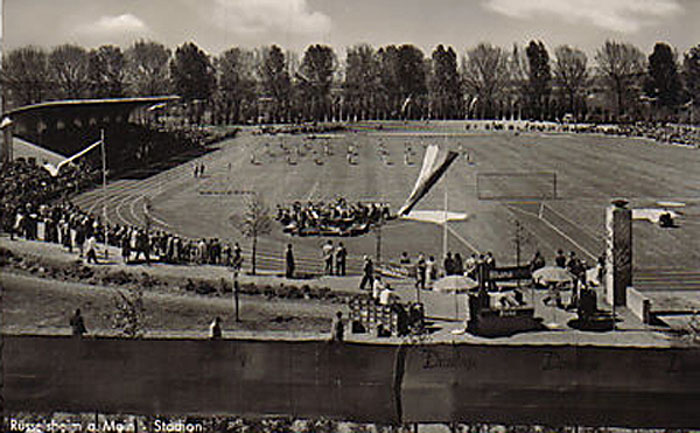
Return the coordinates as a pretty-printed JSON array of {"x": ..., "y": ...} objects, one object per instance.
[{"x": 216, "y": 25}]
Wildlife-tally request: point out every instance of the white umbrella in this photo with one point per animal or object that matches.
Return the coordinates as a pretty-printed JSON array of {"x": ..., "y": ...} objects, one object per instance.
[
  {"x": 455, "y": 283},
  {"x": 552, "y": 274}
]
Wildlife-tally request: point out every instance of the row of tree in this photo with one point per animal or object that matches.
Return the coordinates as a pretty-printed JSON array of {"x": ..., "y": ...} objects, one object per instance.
[{"x": 392, "y": 82}]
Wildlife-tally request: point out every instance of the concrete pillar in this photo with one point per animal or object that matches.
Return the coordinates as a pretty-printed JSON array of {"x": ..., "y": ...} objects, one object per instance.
[
  {"x": 618, "y": 253},
  {"x": 6, "y": 154}
]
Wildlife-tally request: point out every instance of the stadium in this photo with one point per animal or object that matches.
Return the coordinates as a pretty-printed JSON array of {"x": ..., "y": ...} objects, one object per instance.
[
  {"x": 556, "y": 185},
  {"x": 341, "y": 234}
]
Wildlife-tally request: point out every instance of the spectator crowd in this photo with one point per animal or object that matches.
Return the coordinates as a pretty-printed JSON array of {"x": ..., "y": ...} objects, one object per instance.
[{"x": 333, "y": 218}]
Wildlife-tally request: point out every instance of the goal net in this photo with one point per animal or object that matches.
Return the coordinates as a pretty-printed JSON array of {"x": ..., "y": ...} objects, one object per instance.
[{"x": 515, "y": 186}]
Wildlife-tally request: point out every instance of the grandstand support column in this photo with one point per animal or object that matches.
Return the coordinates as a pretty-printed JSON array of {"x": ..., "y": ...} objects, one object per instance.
[
  {"x": 6, "y": 148},
  {"x": 618, "y": 253}
]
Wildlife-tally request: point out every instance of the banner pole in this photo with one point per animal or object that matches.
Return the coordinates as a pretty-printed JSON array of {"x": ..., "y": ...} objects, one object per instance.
[{"x": 104, "y": 192}]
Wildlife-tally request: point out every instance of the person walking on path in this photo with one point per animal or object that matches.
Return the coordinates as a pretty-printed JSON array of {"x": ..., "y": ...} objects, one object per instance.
[
  {"x": 91, "y": 250},
  {"x": 421, "y": 272},
  {"x": 77, "y": 324},
  {"x": 338, "y": 328},
  {"x": 289, "y": 262},
  {"x": 215, "y": 329},
  {"x": 327, "y": 251},
  {"x": 341, "y": 255},
  {"x": 367, "y": 273}
]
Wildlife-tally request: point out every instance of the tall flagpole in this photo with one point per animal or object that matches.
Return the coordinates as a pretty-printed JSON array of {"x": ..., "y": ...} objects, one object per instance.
[{"x": 104, "y": 191}]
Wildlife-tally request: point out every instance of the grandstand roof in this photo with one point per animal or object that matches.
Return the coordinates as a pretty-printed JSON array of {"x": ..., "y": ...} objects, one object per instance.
[
  {"x": 47, "y": 107},
  {"x": 26, "y": 149}
]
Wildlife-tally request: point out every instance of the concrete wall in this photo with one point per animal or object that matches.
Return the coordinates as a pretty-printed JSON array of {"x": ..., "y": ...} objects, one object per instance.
[
  {"x": 639, "y": 305},
  {"x": 360, "y": 382},
  {"x": 305, "y": 379}
]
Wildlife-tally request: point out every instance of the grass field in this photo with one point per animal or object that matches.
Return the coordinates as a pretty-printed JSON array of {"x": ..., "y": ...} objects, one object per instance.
[{"x": 590, "y": 170}]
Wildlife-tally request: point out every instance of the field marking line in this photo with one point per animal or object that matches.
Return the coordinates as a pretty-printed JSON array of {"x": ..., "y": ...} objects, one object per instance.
[
  {"x": 313, "y": 189},
  {"x": 152, "y": 217},
  {"x": 583, "y": 229},
  {"x": 558, "y": 231},
  {"x": 118, "y": 211},
  {"x": 459, "y": 237},
  {"x": 131, "y": 208}
]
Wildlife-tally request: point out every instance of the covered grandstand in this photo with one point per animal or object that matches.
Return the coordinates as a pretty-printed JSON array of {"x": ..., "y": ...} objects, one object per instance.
[{"x": 65, "y": 127}]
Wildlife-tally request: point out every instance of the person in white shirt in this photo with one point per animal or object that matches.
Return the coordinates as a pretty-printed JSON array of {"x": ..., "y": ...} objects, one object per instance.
[
  {"x": 91, "y": 248},
  {"x": 387, "y": 296},
  {"x": 377, "y": 287}
]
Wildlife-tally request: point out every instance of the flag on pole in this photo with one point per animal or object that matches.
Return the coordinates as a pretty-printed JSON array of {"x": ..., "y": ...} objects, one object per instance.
[
  {"x": 6, "y": 121},
  {"x": 429, "y": 175},
  {"x": 404, "y": 106},
  {"x": 54, "y": 170}
]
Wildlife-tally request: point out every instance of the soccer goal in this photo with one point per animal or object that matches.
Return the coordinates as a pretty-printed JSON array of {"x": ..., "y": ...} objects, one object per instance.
[{"x": 516, "y": 186}]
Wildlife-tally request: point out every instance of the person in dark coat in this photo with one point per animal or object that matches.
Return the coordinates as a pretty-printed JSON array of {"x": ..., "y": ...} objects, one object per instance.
[
  {"x": 289, "y": 262},
  {"x": 560, "y": 259},
  {"x": 537, "y": 262},
  {"x": 338, "y": 328},
  {"x": 448, "y": 264},
  {"x": 215, "y": 329},
  {"x": 367, "y": 273},
  {"x": 77, "y": 324}
]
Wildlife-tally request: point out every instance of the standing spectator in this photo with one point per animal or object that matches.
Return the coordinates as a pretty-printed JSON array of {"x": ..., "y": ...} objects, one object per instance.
[
  {"x": 327, "y": 251},
  {"x": 560, "y": 259},
  {"x": 448, "y": 264},
  {"x": 126, "y": 247},
  {"x": 237, "y": 257},
  {"x": 421, "y": 271},
  {"x": 19, "y": 223},
  {"x": 577, "y": 269},
  {"x": 338, "y": 328},
  {"x": 367, "y": 273},
  {"x": 377, "y": 287},
  {"x": 215, "y": 329},
  {"x": 537, "y": 262},
  {"x": 430, "y": 272},
  {"x": 226, "y": 253},
  {"x": 289, "y": 262},
  {"x": 80, "y": 238},
  {"x": 405, "y": 260},
  {"x": 90, "y": 249},
  {"x": 77, "y": 324},
  {"x": 341, "y": 255},
  {"x": 471, "y": 265},
  {"x": 458, "y": 264},
  {"x": 490, "y": 260}
]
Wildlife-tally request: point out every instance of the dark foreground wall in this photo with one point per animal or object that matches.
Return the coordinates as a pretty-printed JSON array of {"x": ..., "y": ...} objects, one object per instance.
[{"x": 359, "y": 382}]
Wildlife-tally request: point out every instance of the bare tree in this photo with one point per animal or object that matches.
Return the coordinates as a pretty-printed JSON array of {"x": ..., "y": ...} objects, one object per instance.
[
  {"x": 106, "y": 72},
  {"x": 361, "y": 84},
  {"x": 147, "y": 68},
  {"x": 236, "y": 82},
  {"x": 275, "y": 80},
  {"x": 68, "y": 65},
  {"x": 129, "y": 313},
  {"x": 620, "y": 64},
  {"x": 570, "y": 71},
  {"x": 24, "y": 73},
  {"x": 254, "y": 222},
  {"x": 485, "y": 74}
]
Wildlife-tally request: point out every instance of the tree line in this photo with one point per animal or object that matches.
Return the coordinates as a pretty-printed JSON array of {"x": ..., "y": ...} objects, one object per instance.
[{"x": 390, "y": 82}]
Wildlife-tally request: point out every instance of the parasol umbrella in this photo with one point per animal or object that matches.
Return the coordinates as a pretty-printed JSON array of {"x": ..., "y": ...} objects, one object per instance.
[
  {"x": 552, "y": 274},
  {"x": 456, "y": 284}
]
